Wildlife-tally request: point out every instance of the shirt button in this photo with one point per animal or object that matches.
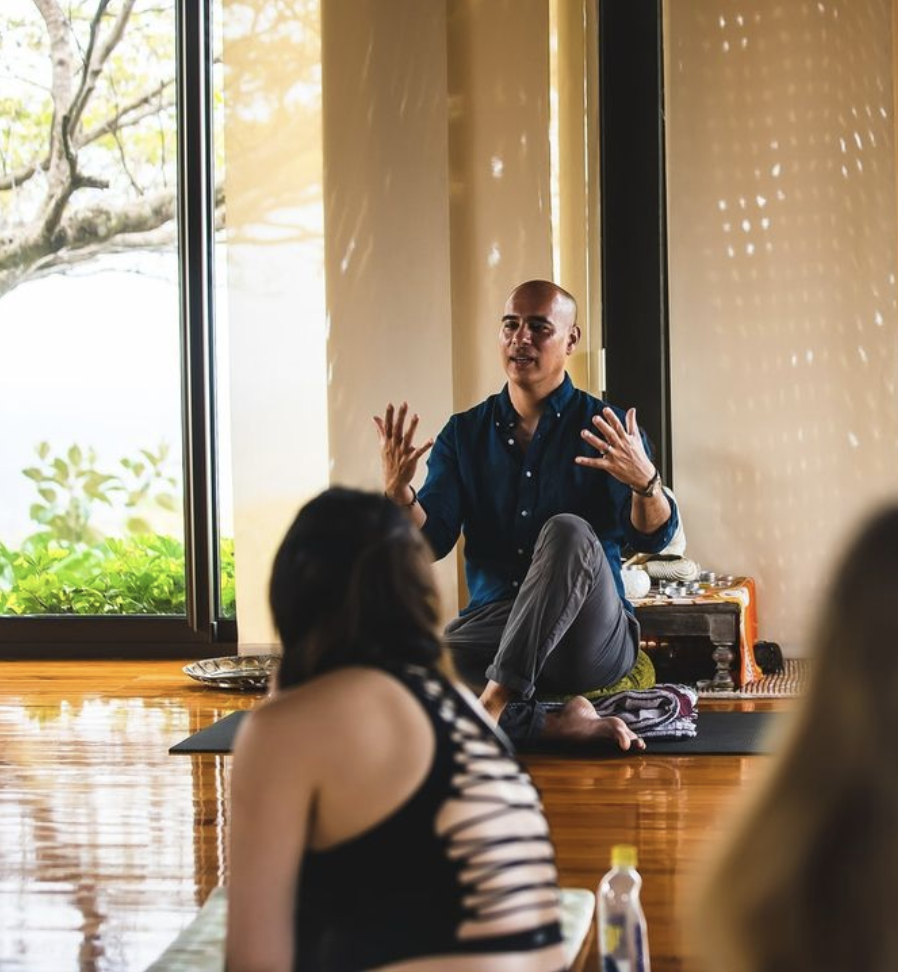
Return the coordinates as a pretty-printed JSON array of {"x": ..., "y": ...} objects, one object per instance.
[
  {"x": 511, "y": 441},
  {"x": 514, "y": 583},
  {"x": 528, "y": 474},
  {"x": 558, "y": 415},
  {"x": 523, "y": 512},
  {"x": 520, "y": 551}
]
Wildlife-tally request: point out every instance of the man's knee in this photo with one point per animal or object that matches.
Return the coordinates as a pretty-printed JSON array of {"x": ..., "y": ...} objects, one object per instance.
[{"x": 567, "y": 532}]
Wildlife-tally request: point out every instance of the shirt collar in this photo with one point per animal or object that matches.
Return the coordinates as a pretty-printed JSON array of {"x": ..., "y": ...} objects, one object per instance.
[{"x": 554, "y": 403}]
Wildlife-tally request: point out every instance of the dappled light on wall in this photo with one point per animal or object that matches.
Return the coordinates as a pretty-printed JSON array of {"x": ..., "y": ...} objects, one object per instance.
[{"x": 782, "y": 253}]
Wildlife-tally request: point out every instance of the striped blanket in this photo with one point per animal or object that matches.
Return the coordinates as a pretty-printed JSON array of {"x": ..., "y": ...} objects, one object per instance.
[{"x": 662, "y": 712}]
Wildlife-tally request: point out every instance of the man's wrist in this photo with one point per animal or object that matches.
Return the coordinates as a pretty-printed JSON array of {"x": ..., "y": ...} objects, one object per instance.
[
  {"x": 651, "y": 488},
  {"x": 402, "y": 503}
]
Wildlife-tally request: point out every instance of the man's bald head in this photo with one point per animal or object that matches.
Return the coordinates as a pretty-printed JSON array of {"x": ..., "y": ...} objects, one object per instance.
[
  {"x": 564, "y": 305},
  {"x": 539, "y": 332}
]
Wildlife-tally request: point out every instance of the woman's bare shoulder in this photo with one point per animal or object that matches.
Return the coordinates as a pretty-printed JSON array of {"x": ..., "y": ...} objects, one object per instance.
[
  {"x": 334, "y": 708},
  {"x": 358, "y": 738}
]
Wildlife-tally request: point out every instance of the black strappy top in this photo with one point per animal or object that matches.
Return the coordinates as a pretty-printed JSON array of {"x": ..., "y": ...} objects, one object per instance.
[{"x": 465, "y": 866}]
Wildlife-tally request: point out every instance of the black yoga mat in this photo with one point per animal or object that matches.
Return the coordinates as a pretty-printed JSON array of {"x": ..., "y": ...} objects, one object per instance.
[
  {"x": 719, "y": 733},
  {"x": 217, "y": 738}
]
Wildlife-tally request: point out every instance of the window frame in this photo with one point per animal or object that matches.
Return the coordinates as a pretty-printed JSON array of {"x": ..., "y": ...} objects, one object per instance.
[
  {"x": 635, "y": 319},
  {"x": 201, "y": 634}
]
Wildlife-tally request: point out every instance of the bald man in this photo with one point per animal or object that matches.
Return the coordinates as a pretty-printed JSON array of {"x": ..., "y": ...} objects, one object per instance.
[{"x": 546, "y": 483}]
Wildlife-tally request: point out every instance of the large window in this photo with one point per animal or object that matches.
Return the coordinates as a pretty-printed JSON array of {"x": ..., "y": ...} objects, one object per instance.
[{"x": 107, "y": 207}]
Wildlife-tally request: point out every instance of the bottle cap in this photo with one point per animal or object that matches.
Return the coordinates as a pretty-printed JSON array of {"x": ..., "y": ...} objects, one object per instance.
[{"x": 623, "y": 855}]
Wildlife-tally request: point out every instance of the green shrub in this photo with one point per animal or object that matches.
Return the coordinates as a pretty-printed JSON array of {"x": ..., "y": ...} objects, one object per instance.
[
  {"x": 138, "y": 575},
  {"x": 69, "y": 567}
]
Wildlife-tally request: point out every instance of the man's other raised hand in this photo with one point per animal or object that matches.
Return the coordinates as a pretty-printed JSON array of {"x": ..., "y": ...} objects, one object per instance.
[{"x": 398, "y": 453}]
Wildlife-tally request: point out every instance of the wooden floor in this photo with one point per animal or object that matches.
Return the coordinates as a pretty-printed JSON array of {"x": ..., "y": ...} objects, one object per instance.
[{"x": 108, "y": 845}]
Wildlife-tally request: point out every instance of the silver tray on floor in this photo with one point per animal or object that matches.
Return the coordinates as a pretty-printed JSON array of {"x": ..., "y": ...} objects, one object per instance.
[{"x": 246, "y": 673}]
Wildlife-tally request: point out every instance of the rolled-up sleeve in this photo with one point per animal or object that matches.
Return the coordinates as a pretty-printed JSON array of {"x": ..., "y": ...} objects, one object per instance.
[
  {"x": 651, "y": 542},
  {"x": 441, "y": 495},
  {"x": 647, "y": 542}
]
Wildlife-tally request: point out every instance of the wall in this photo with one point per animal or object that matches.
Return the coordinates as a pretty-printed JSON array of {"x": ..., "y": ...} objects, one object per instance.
[
  {"x": 784, "y": 334},
  {"x": 435, "y": 162},
  {"x": 499, "y": 162},
  {"x": 431, "y": 142},
  {"x": 275, "y": 286},
  {"x": 387, "y": 218}
]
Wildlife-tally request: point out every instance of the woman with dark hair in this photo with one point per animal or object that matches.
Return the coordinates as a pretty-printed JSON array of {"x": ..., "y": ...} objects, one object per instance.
[
  {"x": 378, "y": 820},
  {"x": 806, "y": 881}
]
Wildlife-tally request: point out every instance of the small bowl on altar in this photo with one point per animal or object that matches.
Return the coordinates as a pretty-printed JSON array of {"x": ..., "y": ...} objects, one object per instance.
[{"x": 637, "y": 582}]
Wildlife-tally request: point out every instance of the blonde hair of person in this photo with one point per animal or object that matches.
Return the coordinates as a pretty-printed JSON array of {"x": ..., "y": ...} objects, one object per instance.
[{"x": 807, "y": 880}]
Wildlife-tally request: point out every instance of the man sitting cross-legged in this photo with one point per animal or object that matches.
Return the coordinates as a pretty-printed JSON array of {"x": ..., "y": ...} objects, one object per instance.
[{"x": 546, "y": 483}]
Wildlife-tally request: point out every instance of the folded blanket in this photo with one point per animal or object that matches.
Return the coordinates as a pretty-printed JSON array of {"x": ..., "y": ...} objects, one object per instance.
[{"x": 664, "y": 711}]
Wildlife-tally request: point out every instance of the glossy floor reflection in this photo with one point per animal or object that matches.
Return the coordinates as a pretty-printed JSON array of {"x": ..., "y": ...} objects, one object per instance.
[
  {"x": 673, "y": 808},
  {"x": 108, "y": 845}
]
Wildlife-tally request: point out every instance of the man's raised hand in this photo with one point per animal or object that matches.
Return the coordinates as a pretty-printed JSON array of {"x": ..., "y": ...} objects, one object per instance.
[
  {"x": 620, "y": 448},
  {"x": 398, "y": 453}
]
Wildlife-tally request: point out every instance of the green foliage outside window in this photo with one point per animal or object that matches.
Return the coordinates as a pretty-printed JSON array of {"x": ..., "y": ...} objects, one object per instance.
[
  {"x": 68, "y": 566},
  {"x": 71, "y": 487}
]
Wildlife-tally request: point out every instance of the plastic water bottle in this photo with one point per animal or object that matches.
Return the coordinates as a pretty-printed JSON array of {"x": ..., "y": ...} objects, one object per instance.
[{"x": 623, "y": 941}]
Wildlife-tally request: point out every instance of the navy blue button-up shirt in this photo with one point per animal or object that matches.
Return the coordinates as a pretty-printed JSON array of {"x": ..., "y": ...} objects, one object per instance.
[{"x": 480, "y": 483}]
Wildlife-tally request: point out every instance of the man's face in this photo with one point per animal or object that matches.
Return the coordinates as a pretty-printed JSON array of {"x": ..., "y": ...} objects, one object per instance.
[{"x": 536, "y": 337}]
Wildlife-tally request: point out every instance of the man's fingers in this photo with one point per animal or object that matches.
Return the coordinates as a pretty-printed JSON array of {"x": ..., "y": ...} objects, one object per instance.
[
  {"x": 388, "y": 420},
  {"x": 416, "y": 455},
  {"x": 603, "y": 426},
  {"x": 632, "y": 426},
  {"x": 399, "y": 424},
  {"x": 613, "y": 421},
  {"x": 381, "y": 433},
  {"x": 410, "y": 434},
  {"x": 595, "y": 442}
]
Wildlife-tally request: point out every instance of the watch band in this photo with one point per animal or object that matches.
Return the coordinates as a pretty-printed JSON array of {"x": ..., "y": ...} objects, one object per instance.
[
  {"x": 407, "y": 506},
  {"x": 654, "y": 484}
]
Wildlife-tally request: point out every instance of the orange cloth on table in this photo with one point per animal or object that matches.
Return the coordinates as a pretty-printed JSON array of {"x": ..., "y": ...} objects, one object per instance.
[{"x": 742, "y": 592}]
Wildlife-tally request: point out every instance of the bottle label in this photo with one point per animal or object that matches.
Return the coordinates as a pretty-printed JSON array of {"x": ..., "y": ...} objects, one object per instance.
[{"x": 612, "y": 936}]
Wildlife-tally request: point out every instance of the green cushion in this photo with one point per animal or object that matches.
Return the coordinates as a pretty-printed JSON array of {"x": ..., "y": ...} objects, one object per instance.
[{"x": 640, "y": 676}]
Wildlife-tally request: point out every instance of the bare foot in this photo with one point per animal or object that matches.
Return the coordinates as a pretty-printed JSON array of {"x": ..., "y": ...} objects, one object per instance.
[
  {"x": 577, "y": 721},
  {"x": 494, "y": 698}
]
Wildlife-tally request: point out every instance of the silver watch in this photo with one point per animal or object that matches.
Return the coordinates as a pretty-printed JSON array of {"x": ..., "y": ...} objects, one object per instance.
[{"x": 654, "y": 485}]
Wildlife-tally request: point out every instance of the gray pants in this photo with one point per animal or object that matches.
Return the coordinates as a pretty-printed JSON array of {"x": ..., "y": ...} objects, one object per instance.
[{"x": 565, "y": 633}]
